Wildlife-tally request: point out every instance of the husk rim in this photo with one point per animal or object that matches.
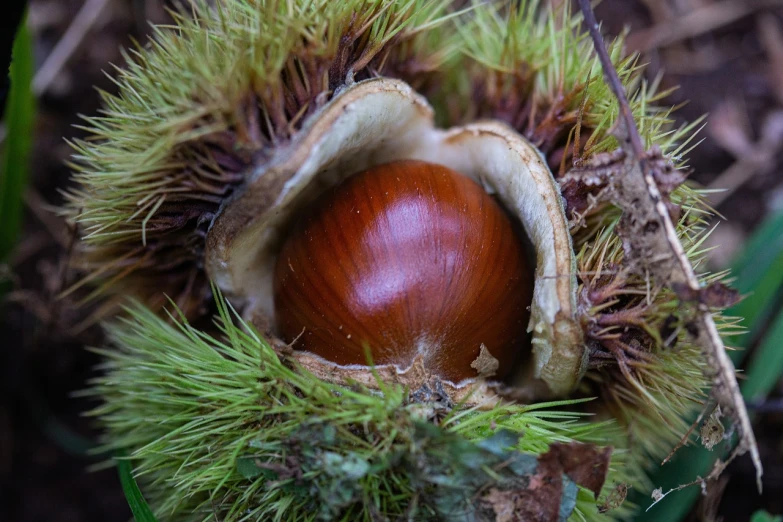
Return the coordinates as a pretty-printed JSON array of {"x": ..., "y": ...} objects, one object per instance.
[{"x": 375, "y": 121}]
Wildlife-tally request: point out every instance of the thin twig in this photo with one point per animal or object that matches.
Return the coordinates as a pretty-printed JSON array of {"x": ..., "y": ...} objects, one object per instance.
[
  {"x": 697, "y": 22},
  {"x": 661, "y": 495},
  {"x": 684, "y": 439},
  {"x": 68, "y": 44},
  {"x": 714, "y": 474},
  {"x": 651, "y": 240},
  {"x": 615, "y": 84},
  {"x": 753, "y": 158},
  {"x": 737, "y": 174},
  {"x": 771, "y": 36}
]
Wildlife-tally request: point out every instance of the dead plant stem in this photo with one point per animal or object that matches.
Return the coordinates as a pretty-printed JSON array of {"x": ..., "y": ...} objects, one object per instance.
[{"x": 652, "y": 241}]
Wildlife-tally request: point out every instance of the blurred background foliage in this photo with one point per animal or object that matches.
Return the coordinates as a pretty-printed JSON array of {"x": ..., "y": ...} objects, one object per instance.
[
  {"x": 727, "y": 58},
  {"x": 15, "y": 155}
]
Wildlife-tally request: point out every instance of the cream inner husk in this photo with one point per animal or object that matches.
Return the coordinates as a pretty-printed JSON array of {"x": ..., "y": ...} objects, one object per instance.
[{"x": 383, "y": 120}]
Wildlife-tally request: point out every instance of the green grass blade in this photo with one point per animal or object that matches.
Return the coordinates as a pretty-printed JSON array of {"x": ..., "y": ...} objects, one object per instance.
[
  {"x": 139, "y": 507},
  {"x": 763, "y": 516},
  {"x": 759, "y": 273},
  {"x": 14, "y": 159},
  {"x": 765, "y": 369}
]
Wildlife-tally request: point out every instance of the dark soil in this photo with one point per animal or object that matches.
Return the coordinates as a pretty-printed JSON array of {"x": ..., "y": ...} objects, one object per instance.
[{"x": 43, "y": 472}]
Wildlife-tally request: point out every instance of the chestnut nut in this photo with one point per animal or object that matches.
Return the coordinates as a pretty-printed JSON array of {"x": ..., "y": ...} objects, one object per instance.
[{"x": 406, "y": 259}]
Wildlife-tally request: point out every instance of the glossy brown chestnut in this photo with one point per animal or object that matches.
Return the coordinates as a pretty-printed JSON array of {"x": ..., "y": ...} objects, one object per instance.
[{"x": 405, "y": 258}]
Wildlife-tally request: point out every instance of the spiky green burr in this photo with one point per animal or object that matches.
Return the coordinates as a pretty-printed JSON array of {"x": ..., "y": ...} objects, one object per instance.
[{"x": 209, "y": 416}]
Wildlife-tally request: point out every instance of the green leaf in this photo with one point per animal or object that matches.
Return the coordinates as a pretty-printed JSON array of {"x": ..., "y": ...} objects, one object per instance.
[
  {"x": 765, "y": 369},
  {"x": 763, "y": 516},
  {"x": 759, "y": 274},
  {"x": 14, "y": 158},
  {"x": 139, "y": 507}
]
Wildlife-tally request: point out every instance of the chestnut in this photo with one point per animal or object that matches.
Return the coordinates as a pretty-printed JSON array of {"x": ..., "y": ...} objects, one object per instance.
[{"x": 406, "y": 259}]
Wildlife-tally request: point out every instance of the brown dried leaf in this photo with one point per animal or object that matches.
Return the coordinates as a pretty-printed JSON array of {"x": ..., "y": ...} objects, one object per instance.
[
  {"x": 585, "y": 464},
  {"x": 712, "y": 431},
  {"x": 540, "y": 497},
  {"x": 718, "y": 295},
  {"x": 614, "y": 499},
  {"x": 585, "y": 185},
  {"x": 541, "y": 502},
  {"x": 714, "y": 295}
]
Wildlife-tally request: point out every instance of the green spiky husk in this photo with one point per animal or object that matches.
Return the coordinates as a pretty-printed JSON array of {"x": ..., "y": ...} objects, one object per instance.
[
  {"x": 208, "y": 100},
  {"x": 203, "y": 104},
  {"x": 227, "y": 429}
]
